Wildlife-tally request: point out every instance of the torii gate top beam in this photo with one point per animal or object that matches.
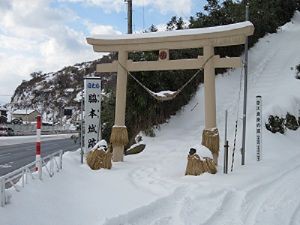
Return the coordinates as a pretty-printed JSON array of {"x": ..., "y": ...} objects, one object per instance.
[{"x": 233, "y": 34}]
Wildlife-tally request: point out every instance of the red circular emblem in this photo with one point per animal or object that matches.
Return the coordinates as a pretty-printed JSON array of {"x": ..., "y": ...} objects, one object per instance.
[{"x": 163, "y": 55}]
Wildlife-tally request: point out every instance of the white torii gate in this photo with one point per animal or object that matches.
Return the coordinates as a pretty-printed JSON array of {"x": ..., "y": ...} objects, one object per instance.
[{"x": 206, "y": 38}]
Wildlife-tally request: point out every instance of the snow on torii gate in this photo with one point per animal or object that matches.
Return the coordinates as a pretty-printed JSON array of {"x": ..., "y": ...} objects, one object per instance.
[{"x": 206, "y": 38}]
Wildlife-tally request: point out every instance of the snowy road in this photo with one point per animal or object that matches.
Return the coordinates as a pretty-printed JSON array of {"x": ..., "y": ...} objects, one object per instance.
[
  {"x": 14, "y": 156},
  {"x": 13, "y": 140}
]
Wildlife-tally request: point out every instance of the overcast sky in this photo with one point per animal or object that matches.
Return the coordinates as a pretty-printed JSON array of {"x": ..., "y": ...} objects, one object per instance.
[{"x": 46, "y": 35}]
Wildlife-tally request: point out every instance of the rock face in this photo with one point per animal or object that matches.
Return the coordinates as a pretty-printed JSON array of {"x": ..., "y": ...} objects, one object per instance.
[
  {"x": 50, "y": 93},
  {"x": 135, "y": 149}
]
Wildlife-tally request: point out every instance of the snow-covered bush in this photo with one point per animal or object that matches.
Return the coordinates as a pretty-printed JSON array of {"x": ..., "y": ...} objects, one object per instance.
[
  {"x": 149, "y": 132},
  {"x": 278, "y": 124},
  {"x": 298, "y": 71},
  {"x": 291, "y": 122},
  {"x": 275, "y": 124}
]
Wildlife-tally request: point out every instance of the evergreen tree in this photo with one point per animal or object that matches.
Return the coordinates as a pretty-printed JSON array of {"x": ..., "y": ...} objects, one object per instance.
[
  {"x": 176, "y": 23},
  {"x": 152, "y": 28}
]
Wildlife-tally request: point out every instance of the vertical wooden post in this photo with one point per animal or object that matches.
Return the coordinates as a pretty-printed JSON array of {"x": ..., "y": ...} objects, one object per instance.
[
  {"x": 209, "y": 89},
  {"x": 119, "y": 136},
  {"x": 210, "y": 135}
]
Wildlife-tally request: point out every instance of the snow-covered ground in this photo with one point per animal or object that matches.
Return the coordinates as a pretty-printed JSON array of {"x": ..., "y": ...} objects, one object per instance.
[
  {"x": 150, "y": 188},
  {"x": 12, "y": 140}
]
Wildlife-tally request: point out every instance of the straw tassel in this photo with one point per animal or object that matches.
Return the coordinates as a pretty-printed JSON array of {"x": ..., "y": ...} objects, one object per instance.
[
  {"x": 119, "y": 136},
  {"x": 210, "y": 139}
]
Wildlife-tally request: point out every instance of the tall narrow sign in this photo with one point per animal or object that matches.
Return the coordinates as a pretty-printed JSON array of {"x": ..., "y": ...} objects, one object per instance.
[
  {"x": 258, "y": 127},
  {"x": 92, "y": 108}
]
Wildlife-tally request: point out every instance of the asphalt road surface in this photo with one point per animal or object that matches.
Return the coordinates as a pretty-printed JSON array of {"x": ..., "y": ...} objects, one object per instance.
[{"x": 15, "y": 156}]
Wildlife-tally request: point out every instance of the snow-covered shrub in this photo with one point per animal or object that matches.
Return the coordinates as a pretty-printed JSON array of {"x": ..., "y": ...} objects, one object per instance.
[
  {"x": 275, "y": 124},
  {"x": 298, "y": 72},
  {"x": 291, "y": 122},
  {"x": 278, "y": 124},
  {"x": 149, "y": 132}
]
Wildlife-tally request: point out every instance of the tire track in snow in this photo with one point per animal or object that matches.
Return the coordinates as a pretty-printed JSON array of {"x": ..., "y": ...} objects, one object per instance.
[
  {"x": 214, "y": 210},
  {"x": 159, "y": 212},
  {"x": 279, "y": 206},
  {"x": 149, "y": 176},
  {"x": 215, "y": 206},
  {"x": 257, "y": 197},
  {"x": 295, "y": 218},
  {"x": 283, "y": 198},
  {"x": 148, "y": 179},
  {"x": 182, "y": 207}
]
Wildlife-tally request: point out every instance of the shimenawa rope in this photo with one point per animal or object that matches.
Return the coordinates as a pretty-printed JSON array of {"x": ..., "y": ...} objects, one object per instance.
[{"x": 168, "y": 96}]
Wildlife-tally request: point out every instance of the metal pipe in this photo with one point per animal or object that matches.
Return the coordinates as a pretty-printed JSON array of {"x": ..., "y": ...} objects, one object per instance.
[
  {"x": 226, "y": 145},
  {"x": 129, "y": 16},
  {"x": 245, "y": 93},
  {"x": 226, "y": 116}
]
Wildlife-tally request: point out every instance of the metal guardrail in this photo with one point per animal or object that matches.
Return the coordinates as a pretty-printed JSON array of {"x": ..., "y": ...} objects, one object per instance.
[
  {"x": 22, "y": 173},
  {"x": 30, "y": 129}
]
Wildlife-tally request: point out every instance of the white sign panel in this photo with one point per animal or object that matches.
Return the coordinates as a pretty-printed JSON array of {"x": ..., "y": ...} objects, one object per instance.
[
  {"x": 258, "y": 127},
  {"x": 92, "y": 108}
]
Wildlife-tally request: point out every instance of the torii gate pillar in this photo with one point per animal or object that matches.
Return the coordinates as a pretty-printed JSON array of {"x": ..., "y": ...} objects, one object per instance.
[
  {"x": 210, "y": 135},
  {"x": 119, "y": 134}
]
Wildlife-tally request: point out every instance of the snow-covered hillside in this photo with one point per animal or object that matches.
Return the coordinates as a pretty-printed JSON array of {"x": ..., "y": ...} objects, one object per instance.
[
  {"x": 150, "y": 188},
  {"x": 50, "y": 93}
]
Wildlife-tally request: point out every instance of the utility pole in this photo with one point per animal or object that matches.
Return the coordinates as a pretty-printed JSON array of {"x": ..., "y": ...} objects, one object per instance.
[
  {"x": 129, "y": 16},
  {"x": 245, "y": 92}
]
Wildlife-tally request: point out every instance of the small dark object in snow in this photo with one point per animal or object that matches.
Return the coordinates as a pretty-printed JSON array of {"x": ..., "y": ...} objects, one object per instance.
[{"x": 192, "y": 151}]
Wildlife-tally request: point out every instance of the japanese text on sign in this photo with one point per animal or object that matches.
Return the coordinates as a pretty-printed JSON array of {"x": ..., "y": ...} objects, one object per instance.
[
  {"x": 258, "y": 127},
  {"x": 92, "y": 109}
]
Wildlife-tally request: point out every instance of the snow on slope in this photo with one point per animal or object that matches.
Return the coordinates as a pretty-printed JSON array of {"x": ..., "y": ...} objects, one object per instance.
[{"x": 150, "y": 188}]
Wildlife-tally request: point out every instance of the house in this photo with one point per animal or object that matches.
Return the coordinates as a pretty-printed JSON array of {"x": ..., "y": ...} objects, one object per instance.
[
  {"x": 3, "y": 114},
  {"x": 68, "y": 111},
  {"x": 27, "y": 115}
]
